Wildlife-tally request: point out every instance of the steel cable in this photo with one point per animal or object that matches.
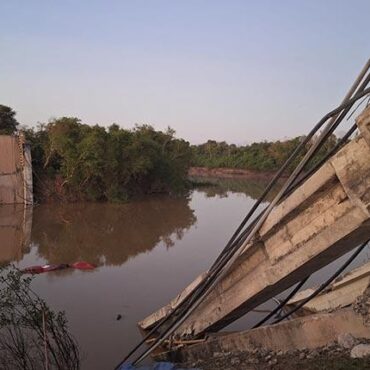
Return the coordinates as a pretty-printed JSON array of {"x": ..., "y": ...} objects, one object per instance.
[
  {"x": 227, "y": 264},
  {"x": 340, "y": 143},
  {"x": 299, "y": 285},
  {"x": 324, "y": 285},
  {"x": 337, "y": 110},
  {"x": 236, "y": 240}
]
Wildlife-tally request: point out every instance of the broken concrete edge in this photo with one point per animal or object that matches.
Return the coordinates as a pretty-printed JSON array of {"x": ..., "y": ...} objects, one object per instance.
[
  {"x": 363, "y": 124},
  {"x": 342, "y": 292},
  {"x": 310, "y": 333},
  {"x": 158, "y": 315}
]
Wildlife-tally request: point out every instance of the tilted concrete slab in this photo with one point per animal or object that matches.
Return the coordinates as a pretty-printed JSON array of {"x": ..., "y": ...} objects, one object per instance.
[
  {"x": 151, "y": 320},
  {"x": 323, "y": 219},
  {"x": 307, "y": 332},
  {"x": 341, "y": 293}
]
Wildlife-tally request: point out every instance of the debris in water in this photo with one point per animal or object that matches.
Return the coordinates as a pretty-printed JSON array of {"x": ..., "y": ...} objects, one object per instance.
[{"x": 81, "y": 265}]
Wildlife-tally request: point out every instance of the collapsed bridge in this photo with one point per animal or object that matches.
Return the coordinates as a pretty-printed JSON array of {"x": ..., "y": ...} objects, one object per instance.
[{"x": 319, "y": 214}]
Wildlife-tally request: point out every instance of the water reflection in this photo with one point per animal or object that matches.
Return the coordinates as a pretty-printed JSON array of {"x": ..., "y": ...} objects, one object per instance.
[
  {"x": 118, "y": 237},
  {"x": 221, "y": 187},
  {"x": 15, "y": 232},
  {"x": 109, "y": 234},
  {"x": 148, "y": 250}
]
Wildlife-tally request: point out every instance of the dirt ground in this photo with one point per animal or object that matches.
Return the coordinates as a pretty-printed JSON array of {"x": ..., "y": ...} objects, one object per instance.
[
  {"x": 335, "y": 359},
  {"x": 333, "y": 356}
]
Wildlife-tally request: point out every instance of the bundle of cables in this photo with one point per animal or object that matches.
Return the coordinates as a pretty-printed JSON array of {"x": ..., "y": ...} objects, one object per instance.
[{"x": 250, "y": 225}]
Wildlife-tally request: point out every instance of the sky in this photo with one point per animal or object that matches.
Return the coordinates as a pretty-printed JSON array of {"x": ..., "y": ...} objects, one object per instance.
[{"x": 235, "y": 71}]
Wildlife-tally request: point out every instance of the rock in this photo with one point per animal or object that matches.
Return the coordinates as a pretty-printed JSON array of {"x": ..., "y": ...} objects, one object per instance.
[
  {"x": 360, "y": 351},
  {"x": 235, "y": 361},
  {"x": 312, "y": 354},
  {"x": 302, "y": 356},
  {"x": 268, "y": 358},
  {"x": 274, "y": 361},
  {"x": 330, "y": 346},
  {"x": 346, "y": 340},
  {"x": 315, "y": 353},
  {"x": 280, "y": 353}
]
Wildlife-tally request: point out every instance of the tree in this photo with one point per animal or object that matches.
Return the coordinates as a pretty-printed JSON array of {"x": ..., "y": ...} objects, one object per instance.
[
  {"x": 8, "y": 124},
  {"x": 30, "y": 329},
  {"x": 82, "y": 162}
]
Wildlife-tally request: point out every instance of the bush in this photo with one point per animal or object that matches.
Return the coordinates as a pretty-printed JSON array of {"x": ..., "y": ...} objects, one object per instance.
[
  {"x": 75, "y": 161},
  {"x": 31, "y": 334}
]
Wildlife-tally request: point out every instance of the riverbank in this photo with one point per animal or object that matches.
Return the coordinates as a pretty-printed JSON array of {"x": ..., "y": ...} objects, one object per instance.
[
  {"x": 333, "y": 356},
  {"x": 230, "y": 173},
  {"x": 343, "y": 352}
]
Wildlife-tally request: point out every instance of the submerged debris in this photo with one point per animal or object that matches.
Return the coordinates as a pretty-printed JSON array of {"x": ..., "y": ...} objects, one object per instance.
[{"x": 81, "y": 265}]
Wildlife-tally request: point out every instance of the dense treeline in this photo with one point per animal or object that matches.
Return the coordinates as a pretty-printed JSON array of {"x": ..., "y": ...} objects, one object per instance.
[
  {"x": 81, "y": 162},
  {"x": 76, "y": 161},
  {"x": 264, "y": 156}
]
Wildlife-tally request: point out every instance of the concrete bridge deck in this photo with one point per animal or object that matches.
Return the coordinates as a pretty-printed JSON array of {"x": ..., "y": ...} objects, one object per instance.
[{"x": 324, "y": 218}]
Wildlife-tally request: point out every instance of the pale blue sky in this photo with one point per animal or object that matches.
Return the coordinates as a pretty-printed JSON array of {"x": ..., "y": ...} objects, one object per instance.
[{"x": 238, "y": 71}]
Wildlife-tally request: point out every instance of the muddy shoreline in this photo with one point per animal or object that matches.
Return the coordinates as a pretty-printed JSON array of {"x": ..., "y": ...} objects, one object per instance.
[{"x": 230, "y": 173}]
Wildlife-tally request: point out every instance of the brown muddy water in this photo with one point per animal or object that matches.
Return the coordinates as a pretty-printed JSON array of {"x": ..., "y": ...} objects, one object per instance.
[{"x": 147, "y": 251}]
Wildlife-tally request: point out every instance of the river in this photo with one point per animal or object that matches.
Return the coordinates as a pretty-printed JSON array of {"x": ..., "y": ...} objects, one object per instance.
[{"x": 146, "y": 251}]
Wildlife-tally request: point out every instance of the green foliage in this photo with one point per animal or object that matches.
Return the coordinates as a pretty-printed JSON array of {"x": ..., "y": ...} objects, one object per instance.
[
  {"x": 8, "y": 124},
  {"x": 82, "y": 162},
  {"x": 264, "y": 156},
  {"x": 73, "y": 161}
]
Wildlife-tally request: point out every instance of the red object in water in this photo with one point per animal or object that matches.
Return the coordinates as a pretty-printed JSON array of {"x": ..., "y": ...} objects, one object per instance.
[
  {"x": 82, "y": 265},
  {"x": 45, "y": 268},
  {"x": 33, "y": 270}
]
